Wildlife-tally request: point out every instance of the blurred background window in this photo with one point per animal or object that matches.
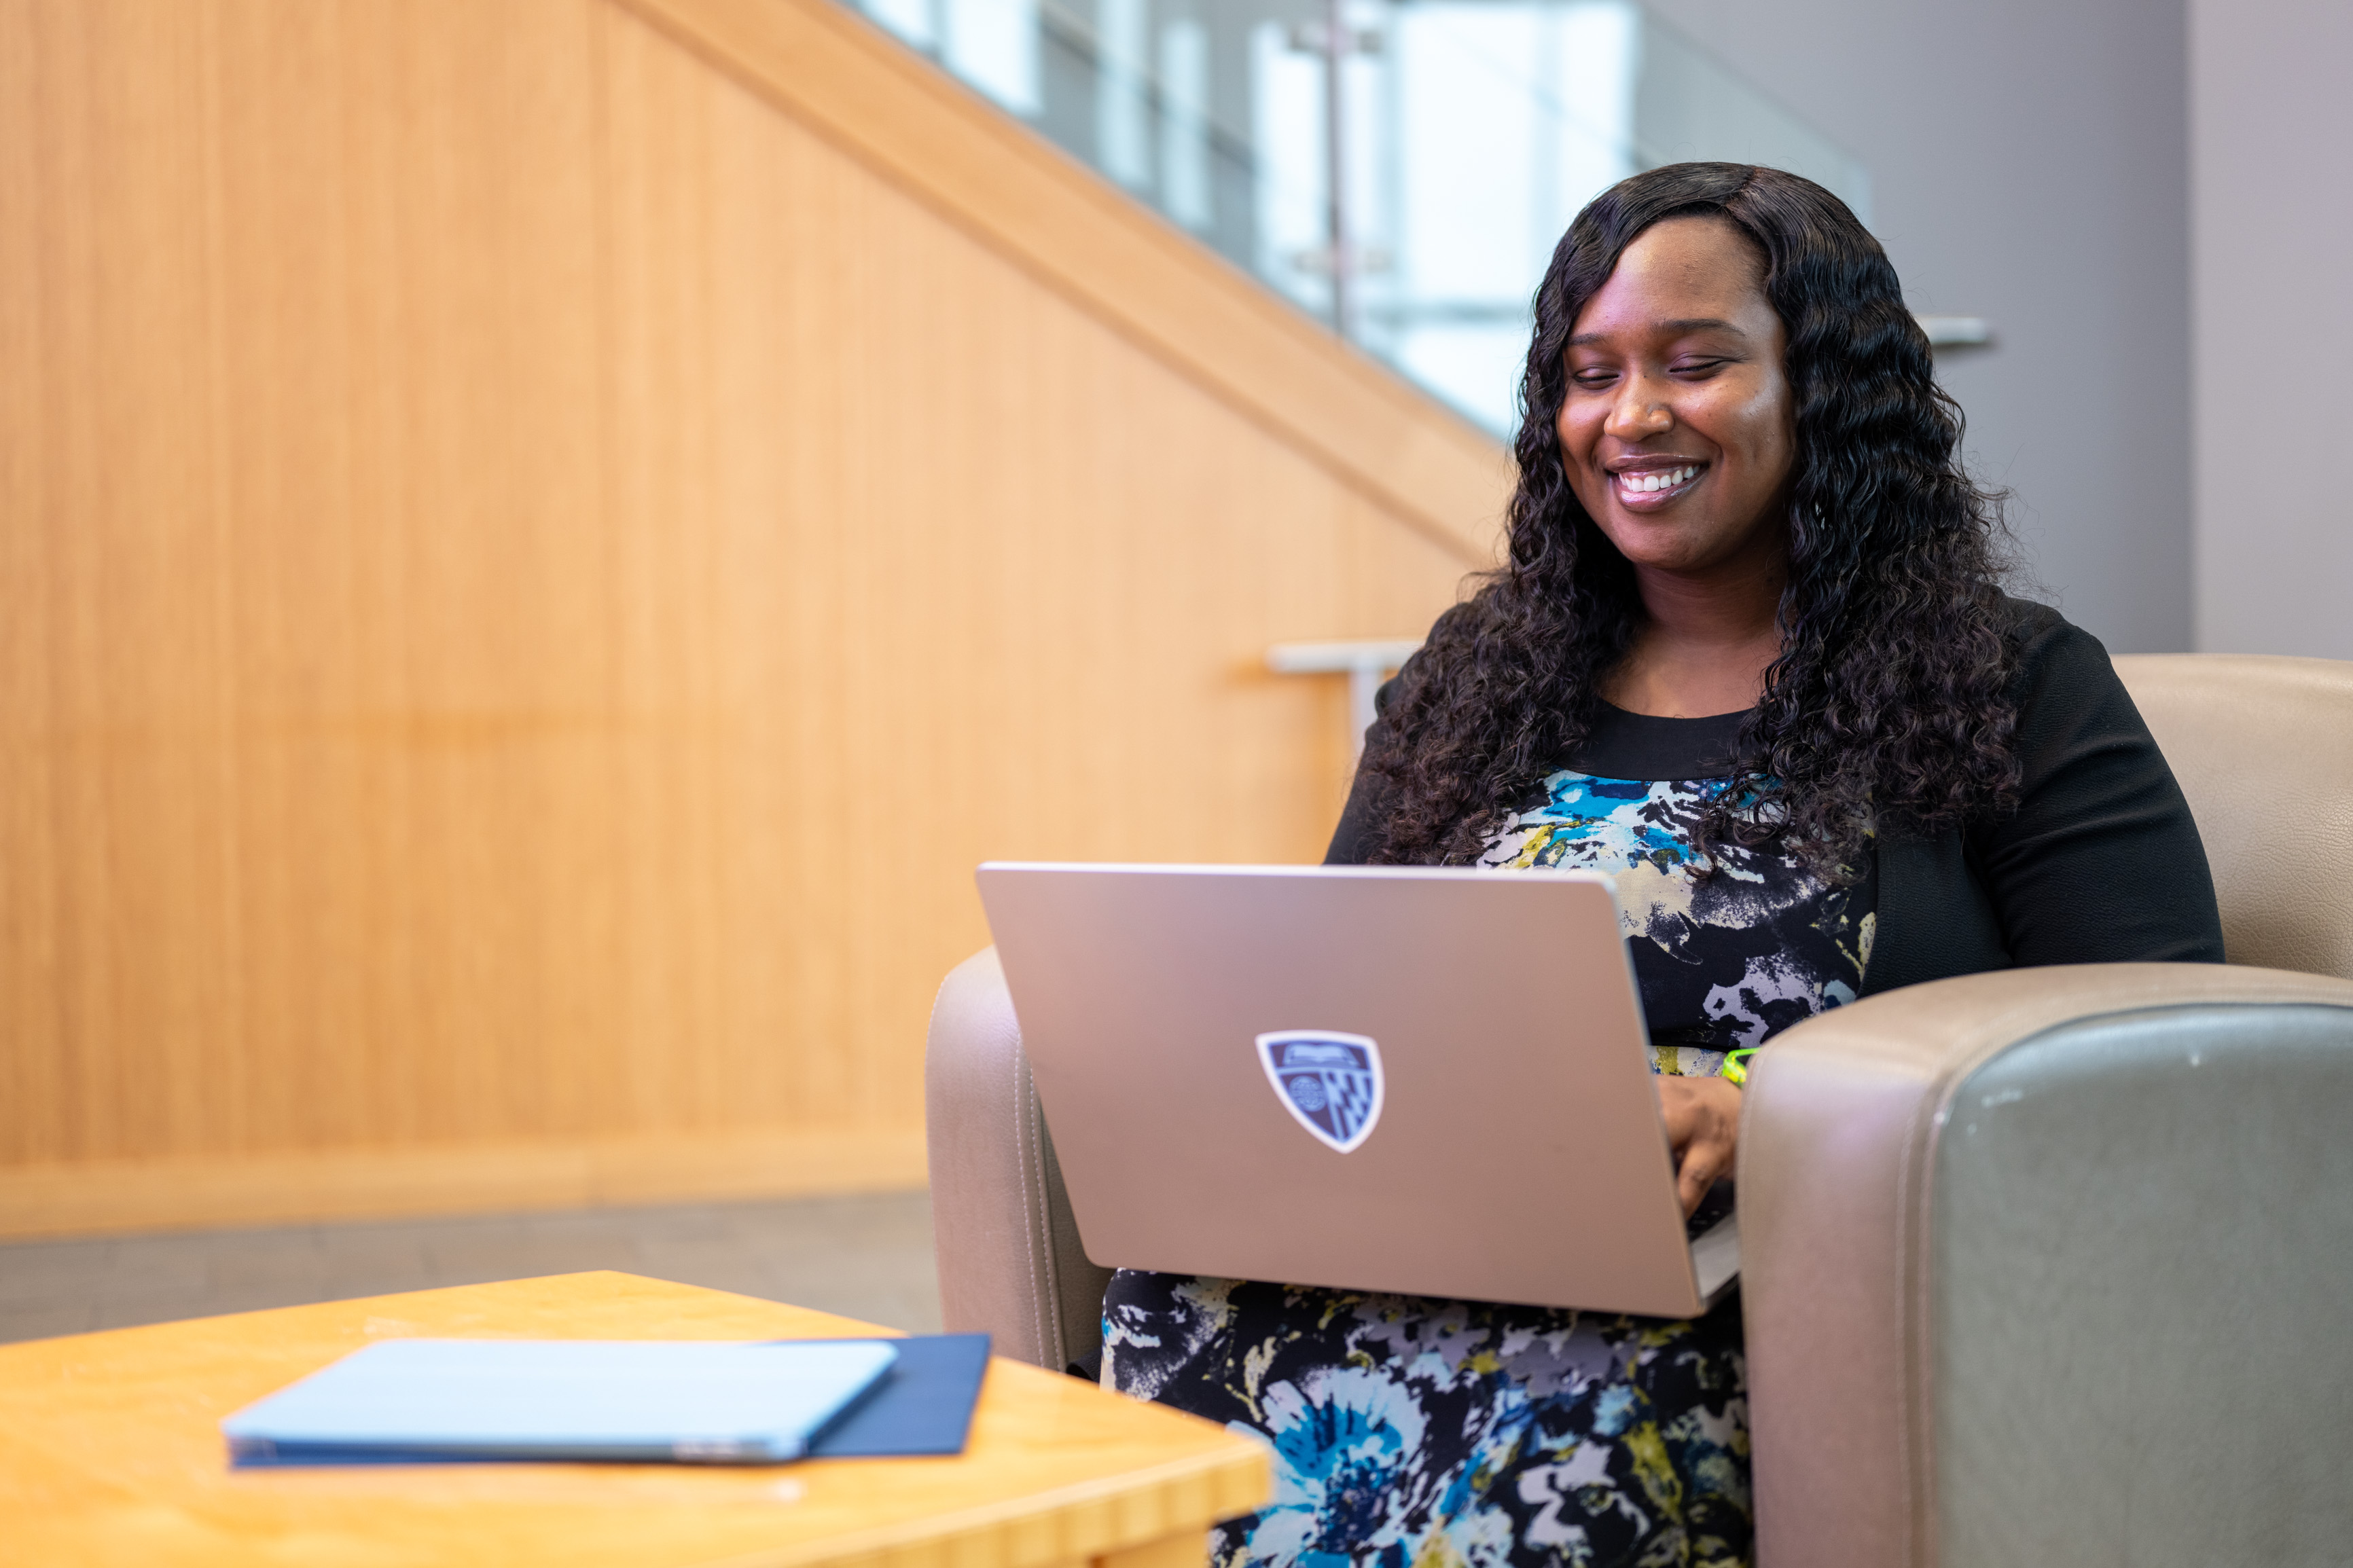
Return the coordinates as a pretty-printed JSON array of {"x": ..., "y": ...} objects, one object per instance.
[{"x": 1400, "y": 169}]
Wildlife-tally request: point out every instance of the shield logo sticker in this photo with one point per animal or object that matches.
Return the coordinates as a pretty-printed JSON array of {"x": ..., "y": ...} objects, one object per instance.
[{"x": 1330, "y": 1082}]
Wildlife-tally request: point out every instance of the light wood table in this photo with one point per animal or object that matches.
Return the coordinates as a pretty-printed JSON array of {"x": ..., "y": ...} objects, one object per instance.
[{"x": 111, "y": 1453}]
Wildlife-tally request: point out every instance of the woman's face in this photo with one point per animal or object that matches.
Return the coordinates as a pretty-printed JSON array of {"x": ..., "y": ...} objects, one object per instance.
[{"x": 1678, "y": 432}]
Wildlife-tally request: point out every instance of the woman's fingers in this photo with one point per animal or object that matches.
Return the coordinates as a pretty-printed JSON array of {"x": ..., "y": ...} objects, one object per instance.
[
  {"x": 1702, "y": 1165},
  {"x": 1683, "y": 1110},
  {"x": 1702, "y": 1116}
]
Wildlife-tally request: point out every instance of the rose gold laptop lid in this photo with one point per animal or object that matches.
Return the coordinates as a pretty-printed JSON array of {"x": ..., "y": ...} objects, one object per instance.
[{"x": 1425, "y": 1080}]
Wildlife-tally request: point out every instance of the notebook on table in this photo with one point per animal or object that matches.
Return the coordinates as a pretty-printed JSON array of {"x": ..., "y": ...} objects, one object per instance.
[{"x": 406, "y": 1401}]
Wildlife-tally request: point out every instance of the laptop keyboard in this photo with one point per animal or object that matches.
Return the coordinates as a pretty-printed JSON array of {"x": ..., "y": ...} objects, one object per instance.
[{"x": 1711, "y": 1208}]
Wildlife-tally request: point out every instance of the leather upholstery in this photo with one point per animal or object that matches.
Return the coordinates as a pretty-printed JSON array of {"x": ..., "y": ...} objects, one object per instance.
[
  {"x": 1010, "y": 1260},
  {"x": 2263, "y": 749},
  {"x": 2048, "y": 1265}
]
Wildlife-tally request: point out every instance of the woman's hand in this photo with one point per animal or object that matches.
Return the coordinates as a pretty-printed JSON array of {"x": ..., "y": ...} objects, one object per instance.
[{"x": 1704, "y": 1129}]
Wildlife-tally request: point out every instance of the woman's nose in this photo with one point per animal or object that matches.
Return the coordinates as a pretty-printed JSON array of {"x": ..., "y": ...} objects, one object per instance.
[{"x": 1639, "y": 412}]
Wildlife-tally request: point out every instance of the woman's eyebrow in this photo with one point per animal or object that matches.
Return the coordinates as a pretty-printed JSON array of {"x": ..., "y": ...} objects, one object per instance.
[{"x": 1694, "y": 325}]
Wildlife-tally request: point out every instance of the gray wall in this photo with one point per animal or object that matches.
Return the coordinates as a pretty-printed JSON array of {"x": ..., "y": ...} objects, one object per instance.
[
  {"x": 2029, "y": 165},
  {"x": 2272, "y": 153}
]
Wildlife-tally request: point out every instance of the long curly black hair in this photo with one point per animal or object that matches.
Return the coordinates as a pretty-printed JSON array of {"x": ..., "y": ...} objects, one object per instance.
[{"x": 1889, "y": 702}]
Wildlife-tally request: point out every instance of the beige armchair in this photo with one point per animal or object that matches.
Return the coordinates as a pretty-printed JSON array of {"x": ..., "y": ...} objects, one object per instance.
[
  {"x": 2047, "y": 1265},
  {"x": 1010, "y": 1258}
]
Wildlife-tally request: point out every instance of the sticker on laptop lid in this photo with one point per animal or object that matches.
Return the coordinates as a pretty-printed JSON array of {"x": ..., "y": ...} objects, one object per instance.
[{"x": 1330, "y": 1082}]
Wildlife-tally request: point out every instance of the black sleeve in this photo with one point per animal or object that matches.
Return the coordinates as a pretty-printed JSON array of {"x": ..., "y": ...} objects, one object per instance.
[
  {"x": 1349, "y": 839},
  {"x": 2102, "y": 861}
]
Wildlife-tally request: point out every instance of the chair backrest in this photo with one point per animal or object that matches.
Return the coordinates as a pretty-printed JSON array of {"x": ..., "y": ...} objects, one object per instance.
[
  {"x": 2048, "y": 1265},
  {"x": 1007, "y": 1248},
  {"x": 2263, "y": 748}
]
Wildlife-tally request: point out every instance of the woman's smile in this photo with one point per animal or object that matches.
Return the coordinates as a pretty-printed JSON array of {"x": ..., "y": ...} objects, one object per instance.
[{"x": 1648, "y": 487}]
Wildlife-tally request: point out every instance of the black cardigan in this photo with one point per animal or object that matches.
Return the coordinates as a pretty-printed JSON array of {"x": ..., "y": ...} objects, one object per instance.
[{"x": 2099, "y": 863}]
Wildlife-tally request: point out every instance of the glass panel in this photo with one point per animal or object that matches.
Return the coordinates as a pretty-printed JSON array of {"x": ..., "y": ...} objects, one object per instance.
[{"x": 1459, "y": 137}]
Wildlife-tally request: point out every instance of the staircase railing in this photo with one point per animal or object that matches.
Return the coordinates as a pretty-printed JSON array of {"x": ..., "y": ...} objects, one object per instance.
[{"x": 1400, "y": 168}]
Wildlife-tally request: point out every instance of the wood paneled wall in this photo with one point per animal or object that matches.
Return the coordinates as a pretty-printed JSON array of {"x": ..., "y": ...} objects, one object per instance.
[{"x": 531, "y": 571}]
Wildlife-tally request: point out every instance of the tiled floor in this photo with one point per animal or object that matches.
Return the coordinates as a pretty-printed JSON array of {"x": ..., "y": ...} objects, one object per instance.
[{"x": 867, "y": 1257}]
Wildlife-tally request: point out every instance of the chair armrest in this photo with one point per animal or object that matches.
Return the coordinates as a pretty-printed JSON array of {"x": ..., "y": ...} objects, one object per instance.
[
  {"x": 1007, "y": 1249},
  {"x": 1852, "y": 1293}
]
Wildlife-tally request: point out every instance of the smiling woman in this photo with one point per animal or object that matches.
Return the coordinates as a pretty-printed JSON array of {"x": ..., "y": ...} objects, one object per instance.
[
  {"x": 1749, "y": 657},
  {"x": 1678, "y": 436}
]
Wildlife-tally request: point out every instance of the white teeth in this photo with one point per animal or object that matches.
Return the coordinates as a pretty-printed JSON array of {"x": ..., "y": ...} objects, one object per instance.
[{"x": 1645, "y": 484}]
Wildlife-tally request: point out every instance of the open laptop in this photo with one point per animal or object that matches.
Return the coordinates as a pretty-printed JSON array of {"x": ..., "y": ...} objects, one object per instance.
[{"x": 1424, "y": 1080}]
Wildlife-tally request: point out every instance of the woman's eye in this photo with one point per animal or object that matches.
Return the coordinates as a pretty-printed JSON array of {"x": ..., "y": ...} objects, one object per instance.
[
  {"x": 1593, "y": 377},
  {"x": 1698, "y": 366}
]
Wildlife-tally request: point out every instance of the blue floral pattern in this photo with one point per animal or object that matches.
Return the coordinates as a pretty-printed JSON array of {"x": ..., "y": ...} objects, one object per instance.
[{"x": 1418, "y": 1434}]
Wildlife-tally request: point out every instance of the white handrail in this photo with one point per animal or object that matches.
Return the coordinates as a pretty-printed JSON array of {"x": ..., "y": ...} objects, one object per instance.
[
  {"x": 1956, "y": 332},
  {"x": 1364, "y": 662}
]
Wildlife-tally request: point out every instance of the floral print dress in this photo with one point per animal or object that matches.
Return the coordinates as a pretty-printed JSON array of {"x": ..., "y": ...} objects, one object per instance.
[{"x": 1414, "y": 1433}]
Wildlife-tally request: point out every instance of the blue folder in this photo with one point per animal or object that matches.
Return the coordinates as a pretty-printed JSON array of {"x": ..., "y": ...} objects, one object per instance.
[
  {"x": 921, "y": 1406},
  {"x": 421, "y": 1401}
]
